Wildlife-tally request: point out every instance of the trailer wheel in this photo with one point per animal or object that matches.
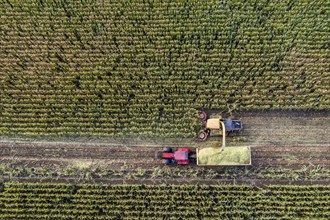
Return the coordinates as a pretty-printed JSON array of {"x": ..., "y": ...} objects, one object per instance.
[
  {"x": 202, "y": 115},
  {"x": 202, "y": 135},
  {"x": 168, "y": 161}
]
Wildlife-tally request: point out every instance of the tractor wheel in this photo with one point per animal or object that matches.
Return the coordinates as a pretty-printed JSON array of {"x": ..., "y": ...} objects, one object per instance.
[
  {"x": 167, "y": 150},
  {"x": 202, "y": 115},
  {"x": 168, "y": 161},
  {"x": 238, "y": 132},
  {"x": 202, "y": 135}
]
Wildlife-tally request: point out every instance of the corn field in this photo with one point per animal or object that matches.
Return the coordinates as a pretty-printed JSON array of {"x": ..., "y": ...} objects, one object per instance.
[
  {"x": 114, "y": 68},
  {"x": 93, "y": 201}
]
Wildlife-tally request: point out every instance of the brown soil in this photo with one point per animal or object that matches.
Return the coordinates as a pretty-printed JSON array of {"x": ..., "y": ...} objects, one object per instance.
[
  {"x": 278, "y": 139},
  {"x": 287, "y": 128},
  {"x": 59, "y": 153},
  {"x": 291, "y": 156}
]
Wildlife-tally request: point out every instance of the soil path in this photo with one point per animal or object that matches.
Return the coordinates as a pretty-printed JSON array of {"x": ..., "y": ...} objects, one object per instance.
[
  {"x": 287, "y": 128},
  {"x": 35, "y": 153},
  {"x": 278, "y": 139}
]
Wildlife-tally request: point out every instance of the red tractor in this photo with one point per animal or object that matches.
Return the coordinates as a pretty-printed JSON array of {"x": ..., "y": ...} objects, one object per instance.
[{"x": 180, "y": 156}]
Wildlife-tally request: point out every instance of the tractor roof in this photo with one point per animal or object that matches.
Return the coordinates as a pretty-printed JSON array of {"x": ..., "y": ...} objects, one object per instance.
[
  {"x": 181, "y": 155},
  {"x": 213, "y": 123}
]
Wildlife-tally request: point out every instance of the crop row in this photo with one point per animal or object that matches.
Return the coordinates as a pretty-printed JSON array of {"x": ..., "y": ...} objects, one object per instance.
[
  {"x": 142, "y": 68},
  {"x": 67, "y": 201}
]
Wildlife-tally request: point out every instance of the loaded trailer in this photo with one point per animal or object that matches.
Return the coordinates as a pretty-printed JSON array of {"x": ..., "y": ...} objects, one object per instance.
[
  {"x": 209, "y": 156},
  {"x": 231, "y": 156}
]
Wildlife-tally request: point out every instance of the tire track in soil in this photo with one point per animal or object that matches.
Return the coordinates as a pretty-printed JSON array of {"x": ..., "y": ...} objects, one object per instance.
[
  {"x": 290, "y": 156},
  {"x": 286, "y": 128},
  {"x": 50, "y": 150},
  {"x": 288, "y": 139},
  {"x": 141, "y": 156},
  {"x": 50, "y": 154}
]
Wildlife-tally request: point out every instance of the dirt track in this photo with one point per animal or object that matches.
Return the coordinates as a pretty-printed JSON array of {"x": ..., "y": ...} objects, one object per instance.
[
  {"x": 287, "y": 128},
  {"x": 277, "y": 139},
  {"x": 37, "y": 153}
]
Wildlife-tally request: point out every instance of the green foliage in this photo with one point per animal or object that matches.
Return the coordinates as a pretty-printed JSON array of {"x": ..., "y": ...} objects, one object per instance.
[
  {"x": 83, "y": 201},
  {"x": 94, "y": 172},
  {"x": 95, "y": 67}
]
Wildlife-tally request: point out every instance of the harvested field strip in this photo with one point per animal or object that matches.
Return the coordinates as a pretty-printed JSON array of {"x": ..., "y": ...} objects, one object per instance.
[
  {"x": 101, "y": 171},
  {"x": 268, "y": 155},
  {"x": 314, "y": 149},
  {"x": 290, "y": 164},
  {"x": 71, "y": 151},
  {"x": 286, "y": 128},
  {"x": 39, "y": 200}
]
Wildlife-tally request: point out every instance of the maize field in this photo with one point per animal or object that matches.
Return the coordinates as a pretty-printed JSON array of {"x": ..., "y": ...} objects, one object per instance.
[
  {"x": 115, "y": 68},
  {"x": 93, "y": 201}
]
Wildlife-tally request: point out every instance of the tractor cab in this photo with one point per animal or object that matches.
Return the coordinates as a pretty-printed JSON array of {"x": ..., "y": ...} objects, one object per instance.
[
  {"x": 180, "y": 156},
  {"x": 233, "y": 125}
]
